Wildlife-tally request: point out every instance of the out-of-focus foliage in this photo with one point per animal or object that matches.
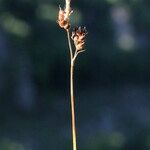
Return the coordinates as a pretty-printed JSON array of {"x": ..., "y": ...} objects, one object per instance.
[{"x": 112, "y": 77}]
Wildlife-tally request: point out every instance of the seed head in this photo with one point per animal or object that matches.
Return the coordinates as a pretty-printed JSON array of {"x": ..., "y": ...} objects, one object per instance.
[
  {"x": 78, "y": 36},
  {"x": 62, "y": 20}
]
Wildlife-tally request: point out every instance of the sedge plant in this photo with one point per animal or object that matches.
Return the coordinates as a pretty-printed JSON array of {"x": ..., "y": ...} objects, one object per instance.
[{"x": 78, "y": 38}]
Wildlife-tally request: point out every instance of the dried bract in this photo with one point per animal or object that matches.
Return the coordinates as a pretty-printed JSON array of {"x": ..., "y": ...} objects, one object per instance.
[{"x": 68, "y": 10}]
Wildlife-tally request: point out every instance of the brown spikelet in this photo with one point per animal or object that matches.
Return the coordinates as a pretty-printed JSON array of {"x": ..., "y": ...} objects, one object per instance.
[
  {"x": 63, "y": 18},
  {"x": 78, "y": 36}
]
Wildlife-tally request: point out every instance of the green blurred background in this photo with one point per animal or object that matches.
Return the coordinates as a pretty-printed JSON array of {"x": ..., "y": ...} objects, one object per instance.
[{"x": 112, "y": 78}]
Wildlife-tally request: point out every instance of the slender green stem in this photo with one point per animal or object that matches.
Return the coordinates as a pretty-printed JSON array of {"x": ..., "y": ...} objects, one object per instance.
[{"x": 73, "y": 122}]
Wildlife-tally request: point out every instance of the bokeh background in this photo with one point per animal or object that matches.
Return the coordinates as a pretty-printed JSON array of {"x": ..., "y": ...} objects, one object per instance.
[{"x": 112, "y": 78}]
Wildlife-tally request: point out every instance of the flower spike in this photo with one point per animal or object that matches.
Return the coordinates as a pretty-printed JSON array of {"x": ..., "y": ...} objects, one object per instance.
[{"x": 78, "y": 36}]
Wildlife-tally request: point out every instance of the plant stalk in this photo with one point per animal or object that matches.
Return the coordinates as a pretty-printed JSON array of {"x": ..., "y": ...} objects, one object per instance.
[
  {"x": 73, "y": 106},
  {"x": 73, "y": 122},
  {"x": 69, "y": 43}
]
